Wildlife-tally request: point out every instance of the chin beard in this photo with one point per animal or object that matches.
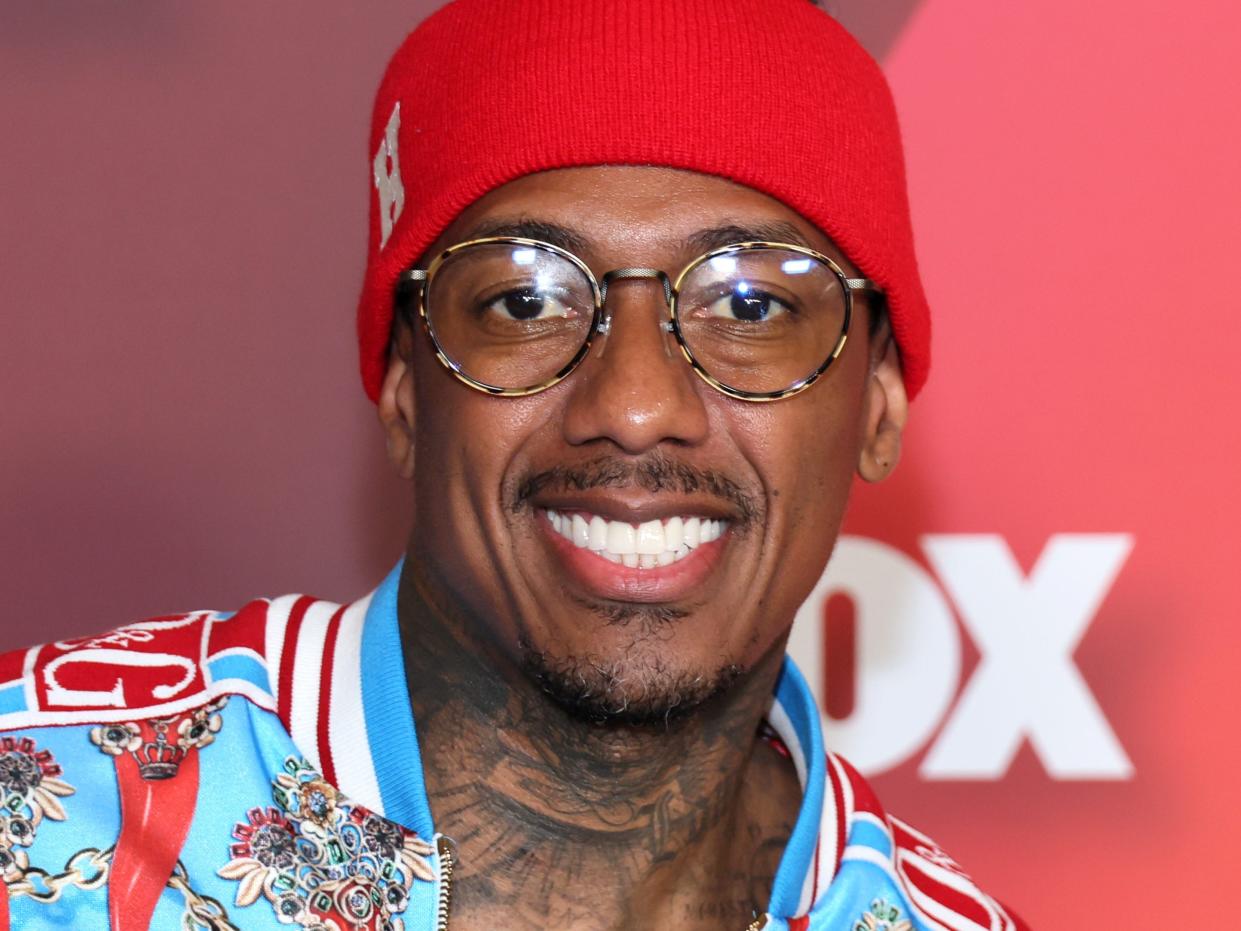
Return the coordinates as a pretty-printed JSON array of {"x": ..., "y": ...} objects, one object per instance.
[{"x": 630, "y": 692}]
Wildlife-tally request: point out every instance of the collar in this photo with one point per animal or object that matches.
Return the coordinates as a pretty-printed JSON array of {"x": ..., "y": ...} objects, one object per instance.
[{"x": 370, "y": 741}]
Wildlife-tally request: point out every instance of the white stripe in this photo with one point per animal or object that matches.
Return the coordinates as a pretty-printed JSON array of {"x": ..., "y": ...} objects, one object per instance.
[
  {"x": 778, "y": 718},
  {"x": 26, "y": 719},
  {"x": 846, "y": 792},
  {"x": 827, "y": 831},
  {"x": 351, "y": 749},
  {"x": 32, "y": 694},
  {"x": 307, "y": 670},
  {"x": 235, "y": 651},
  {"x": 828, "y": 827},
  {"x": 273, "y": 639}
]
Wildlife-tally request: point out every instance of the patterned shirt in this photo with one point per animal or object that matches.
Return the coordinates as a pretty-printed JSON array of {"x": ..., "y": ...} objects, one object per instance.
[{"x": 241, "y": 771}]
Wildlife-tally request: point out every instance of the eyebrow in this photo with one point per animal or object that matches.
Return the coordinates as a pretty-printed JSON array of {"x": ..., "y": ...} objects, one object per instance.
[
  {"x": 524, "y": 228},
  {"x": 774, "y": 231},
  {"x": 700, "y": 241}
]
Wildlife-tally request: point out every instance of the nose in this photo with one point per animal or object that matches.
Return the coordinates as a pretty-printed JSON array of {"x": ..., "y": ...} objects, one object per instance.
[{"x": 635, "y": 390}]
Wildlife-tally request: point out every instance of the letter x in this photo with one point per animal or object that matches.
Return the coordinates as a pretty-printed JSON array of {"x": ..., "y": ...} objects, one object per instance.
[{"x": 1026, "y": 684}]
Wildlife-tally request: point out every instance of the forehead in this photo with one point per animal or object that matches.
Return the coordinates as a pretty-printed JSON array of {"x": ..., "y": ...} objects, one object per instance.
[{"x": 635, "y": 214}]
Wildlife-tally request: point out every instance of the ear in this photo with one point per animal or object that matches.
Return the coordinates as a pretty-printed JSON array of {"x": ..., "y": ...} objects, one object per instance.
[
  {"x": 887, "y": 410},
  {"x": 396, "y": 402}
]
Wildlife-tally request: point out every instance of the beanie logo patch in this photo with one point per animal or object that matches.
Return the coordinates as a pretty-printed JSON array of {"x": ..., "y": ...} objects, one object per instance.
[{"x": 387, "y": 166}]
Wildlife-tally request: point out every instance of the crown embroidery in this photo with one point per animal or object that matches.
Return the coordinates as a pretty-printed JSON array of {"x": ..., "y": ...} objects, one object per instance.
[{"x": 159, "y": 745}]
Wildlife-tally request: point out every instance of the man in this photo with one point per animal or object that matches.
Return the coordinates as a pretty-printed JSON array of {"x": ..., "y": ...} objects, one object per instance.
[{"x": 641, "y": 300}]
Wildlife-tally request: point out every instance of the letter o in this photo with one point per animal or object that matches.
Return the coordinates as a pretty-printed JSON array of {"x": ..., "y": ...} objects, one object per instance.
[{"x": 909, "y": 653}]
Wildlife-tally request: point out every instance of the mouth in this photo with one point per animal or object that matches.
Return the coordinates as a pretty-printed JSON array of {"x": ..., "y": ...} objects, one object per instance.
[
  {"x": 659, "y": 560},
  {"x": 650, "y": 545}
]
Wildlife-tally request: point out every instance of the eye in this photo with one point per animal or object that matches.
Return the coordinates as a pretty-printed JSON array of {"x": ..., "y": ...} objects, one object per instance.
[
  {"x": 748, "y": 304},
  {"x": 529, "y": 304}
]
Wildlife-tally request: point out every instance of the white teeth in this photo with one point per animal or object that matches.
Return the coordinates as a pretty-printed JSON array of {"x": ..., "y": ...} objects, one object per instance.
[
  {"x": 622, "y": 538},
  {"x": 650, "y": 540},
  {"x": 650, "y": 544},
  {"x": 581, "y": 531},
  {"x": 674, "y": 534},
  {"x": 598, "y": 533}
]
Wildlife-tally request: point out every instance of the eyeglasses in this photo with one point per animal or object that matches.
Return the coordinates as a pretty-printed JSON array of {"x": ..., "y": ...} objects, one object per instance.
[{"x": 759, "y": 321}]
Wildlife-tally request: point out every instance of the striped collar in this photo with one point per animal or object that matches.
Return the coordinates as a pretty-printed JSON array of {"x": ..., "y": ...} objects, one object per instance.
[{"x": 359, "y": 729}]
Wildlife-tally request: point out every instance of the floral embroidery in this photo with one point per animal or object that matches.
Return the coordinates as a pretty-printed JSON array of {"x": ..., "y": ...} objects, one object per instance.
[
  {"x": 115, "y": 739},
  {"x": 32, "y": 789},
  {"x": 883, "y": 917},
  {"x": 158, "y": 756},
  {"x": 200, "y": 728},
  {"x": 324, "y": 862}
]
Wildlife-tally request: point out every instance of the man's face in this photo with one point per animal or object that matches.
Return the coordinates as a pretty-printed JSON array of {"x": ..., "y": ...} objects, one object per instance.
[{"x": 633, "y": 436}]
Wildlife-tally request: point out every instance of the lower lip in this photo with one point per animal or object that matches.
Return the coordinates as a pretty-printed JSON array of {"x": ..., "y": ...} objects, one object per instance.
[{"x": 616, "y": 582}]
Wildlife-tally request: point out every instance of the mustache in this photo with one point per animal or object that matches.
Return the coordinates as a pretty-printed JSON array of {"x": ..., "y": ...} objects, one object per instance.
[{"x": 655, "y": 473}]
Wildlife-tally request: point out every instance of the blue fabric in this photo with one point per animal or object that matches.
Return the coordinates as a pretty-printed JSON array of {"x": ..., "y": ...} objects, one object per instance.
[
  {"x": 389, "y": 718},
  {"x": 868, "y": 834},
  {"x": 239, "y": 666},
  {"x": 794, "y": 695},
  {"x": 13, "y": 699}
]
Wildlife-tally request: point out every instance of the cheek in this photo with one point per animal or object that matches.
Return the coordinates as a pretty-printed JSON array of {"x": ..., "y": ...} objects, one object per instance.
[{"x": 805, "y": 452}]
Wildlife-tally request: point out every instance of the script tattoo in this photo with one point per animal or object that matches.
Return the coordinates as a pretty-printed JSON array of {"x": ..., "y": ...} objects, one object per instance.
[{"x": 563, "y": 822}]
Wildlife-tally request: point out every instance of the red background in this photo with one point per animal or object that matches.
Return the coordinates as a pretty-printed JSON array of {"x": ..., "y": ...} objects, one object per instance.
[{"x": 184, "y": 203}]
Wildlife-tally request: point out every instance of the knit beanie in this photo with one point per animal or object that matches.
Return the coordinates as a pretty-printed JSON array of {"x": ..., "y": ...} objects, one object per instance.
[{"x": 772, "y": 94}]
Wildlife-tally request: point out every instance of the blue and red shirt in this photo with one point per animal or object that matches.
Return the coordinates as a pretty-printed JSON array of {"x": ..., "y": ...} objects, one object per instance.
[{"x": 260, "y": 770}]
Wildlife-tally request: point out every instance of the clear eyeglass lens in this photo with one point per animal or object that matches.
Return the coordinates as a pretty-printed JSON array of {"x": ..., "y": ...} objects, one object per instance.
[
  {"x": 761, "y": 320},
  {"x": 510, "y": 316}
]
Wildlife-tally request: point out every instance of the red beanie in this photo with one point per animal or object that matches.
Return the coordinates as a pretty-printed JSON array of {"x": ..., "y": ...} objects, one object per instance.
[{"x": 772, "y": 94}]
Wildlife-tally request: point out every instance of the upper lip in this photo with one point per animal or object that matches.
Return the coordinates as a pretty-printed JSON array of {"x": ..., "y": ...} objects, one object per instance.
[{"x": 636, "y": 508}]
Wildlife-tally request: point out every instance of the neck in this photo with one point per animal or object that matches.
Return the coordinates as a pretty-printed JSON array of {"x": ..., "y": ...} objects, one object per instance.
[{"x": 563, "y": 822}]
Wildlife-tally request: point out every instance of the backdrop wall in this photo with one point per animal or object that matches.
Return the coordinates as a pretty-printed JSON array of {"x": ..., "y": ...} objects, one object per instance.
[{"x": 183, "y": 206}]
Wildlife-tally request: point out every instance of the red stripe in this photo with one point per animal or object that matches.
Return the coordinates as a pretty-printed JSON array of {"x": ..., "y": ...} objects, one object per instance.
[
  {"x": 799, "y": 924},
  {"x": 864, "y": 798},
  {"x": 1018, "y": 924},
  {"x": 964, "y": 905},
  {"x": 155, "y": 819},
  {"x": 842, "y": 816},
  {"x": 4, "y": 907},
  {"x": 325, "y": 695},
  {"x": 284, "y": 705}
]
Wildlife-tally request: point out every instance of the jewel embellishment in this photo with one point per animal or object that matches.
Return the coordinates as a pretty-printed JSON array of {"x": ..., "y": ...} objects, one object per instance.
[
  {"x": 30, "y": 790},
  {"x": 883, "y": 917},
  {"x": 323, "y": 862}
]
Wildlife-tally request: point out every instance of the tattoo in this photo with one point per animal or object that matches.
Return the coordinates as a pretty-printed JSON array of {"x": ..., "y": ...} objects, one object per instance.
[{"x": 568, "y": 820}]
